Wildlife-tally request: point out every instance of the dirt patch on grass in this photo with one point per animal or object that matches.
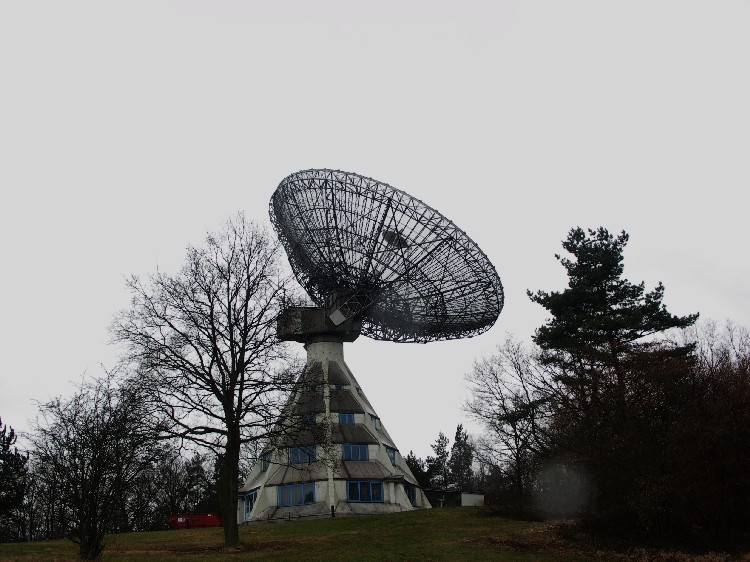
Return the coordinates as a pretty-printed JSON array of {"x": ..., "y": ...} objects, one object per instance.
[
  {"x": 255, "y": 546},
  {"x": 500, "y": 543},
  {"x": 662, "y": 555},
  {"x": 569, "y": 539},
  {"x": 188, "y": 549}
]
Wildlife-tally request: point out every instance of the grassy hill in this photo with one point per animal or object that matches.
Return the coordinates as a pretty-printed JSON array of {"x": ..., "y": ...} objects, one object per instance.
[{"x": 437, "y": 534}]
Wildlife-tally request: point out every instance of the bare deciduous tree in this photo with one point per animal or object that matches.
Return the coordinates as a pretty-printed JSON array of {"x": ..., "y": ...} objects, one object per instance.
[
  {"x": 509, "y": 395},
  {"x": 204, "y": 345},
  {"x": 93, "y": 445}
]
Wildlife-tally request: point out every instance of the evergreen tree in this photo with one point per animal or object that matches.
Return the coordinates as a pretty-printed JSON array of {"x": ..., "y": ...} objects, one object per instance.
[
  {"x": 418, "y": 469},
  {"x": 461, "y": 460},
  {"x": 597, "y": 346},
  {"x": 437, "y": 466},
  {"x": 601, "y": 320},
  {"x": 13, "y": 473}
]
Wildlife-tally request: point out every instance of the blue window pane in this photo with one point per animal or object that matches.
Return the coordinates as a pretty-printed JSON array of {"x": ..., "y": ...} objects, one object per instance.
[
  {"x": 250, "y": 499},
  {"x": 377, "y": 492},
  {"x": 411, "y": 493},
  {"x": 364, "y": 492},
  {"x": 346, "y": 419},
  {"x": 309, "y": 491},
  {"x": 391, "y": 454},
  {"x": 300, "y": 455},
  {"x": 265, "y": 461},
  {"x": 353, "y": 491},
  {"x": 285, "y": 495}
]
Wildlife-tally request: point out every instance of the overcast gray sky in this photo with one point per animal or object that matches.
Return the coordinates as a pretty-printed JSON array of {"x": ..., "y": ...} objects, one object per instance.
[{"x": 129, "y": 129}]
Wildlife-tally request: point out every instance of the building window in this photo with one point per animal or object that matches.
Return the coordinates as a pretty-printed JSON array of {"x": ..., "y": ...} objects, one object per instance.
[
  {"x": 375, "y": 421},
  {"x": 364, "y": 491},
  {"x": 411, "y": 493},
  {"x": 307, "y": 419},
  {"x": 339, "y": 387},
  {"x": 302, "y": 455},
  {"x": 346, "y": 419},
  {"x": 358, "y": 452},
  {"x": 265, "y": 461},
  {"x": 297, "y": 494},
  {"x": 391, "y": 453},
  {"x": 250, "y": 498}
]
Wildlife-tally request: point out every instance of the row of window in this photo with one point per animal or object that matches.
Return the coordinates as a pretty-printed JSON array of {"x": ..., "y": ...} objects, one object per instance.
[
  {"x": 364, "y": 491},
  {"x": 303, "y": 493},
  {"x": 355, "y": 452},
  {"x": 345, "y": 418},
  {"x": 306, "y": 454},
  {"x": 340, "y": 388}
]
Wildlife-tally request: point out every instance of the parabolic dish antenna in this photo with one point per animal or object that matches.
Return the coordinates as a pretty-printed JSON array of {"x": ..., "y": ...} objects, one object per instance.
[
  {"x": 367, "y": 251},
  {"x": 376, "y": 262}
]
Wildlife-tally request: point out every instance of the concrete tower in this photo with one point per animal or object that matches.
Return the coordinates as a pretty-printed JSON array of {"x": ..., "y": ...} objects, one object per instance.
[{"x": 335, "y": 450}]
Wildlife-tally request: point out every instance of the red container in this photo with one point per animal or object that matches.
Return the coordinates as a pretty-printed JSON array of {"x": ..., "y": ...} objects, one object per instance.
[{"x": 194, "y": 520}]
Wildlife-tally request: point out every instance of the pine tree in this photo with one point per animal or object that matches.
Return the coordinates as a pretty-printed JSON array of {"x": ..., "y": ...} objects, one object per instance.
[
  {"x": 437, "y": 466},
  {"x": 600, "y": 316},
  {"x": 598, "y": 348},
  {"x": 600, "y": 321},
  {"x": 13, "y": 472},
  {"x": 418, "y": 469},
  {"x": 461, "y": 459}
]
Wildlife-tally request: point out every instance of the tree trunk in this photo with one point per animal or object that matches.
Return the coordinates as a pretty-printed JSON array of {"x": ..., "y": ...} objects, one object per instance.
[
  {"x": 228, "y": 487},
  {"x": 90, "y": 547}
]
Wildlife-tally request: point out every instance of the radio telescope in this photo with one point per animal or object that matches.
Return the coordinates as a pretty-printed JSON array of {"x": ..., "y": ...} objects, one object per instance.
[{"x": 379, "y": 262}]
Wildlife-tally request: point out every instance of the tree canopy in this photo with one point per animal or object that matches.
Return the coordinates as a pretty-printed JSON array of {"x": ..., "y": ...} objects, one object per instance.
[{"x": 600, "y": 315}]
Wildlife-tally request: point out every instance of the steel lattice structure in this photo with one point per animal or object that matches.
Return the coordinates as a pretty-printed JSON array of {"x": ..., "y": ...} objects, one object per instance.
[{"x": 407, "y": 272}]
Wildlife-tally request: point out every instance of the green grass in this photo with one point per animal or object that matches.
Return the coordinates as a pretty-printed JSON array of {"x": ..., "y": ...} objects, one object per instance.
[{"x": 437, "y": 534}]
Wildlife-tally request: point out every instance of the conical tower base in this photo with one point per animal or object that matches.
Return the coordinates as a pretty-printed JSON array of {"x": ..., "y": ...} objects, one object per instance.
[{"x": 336, "y": 451}]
